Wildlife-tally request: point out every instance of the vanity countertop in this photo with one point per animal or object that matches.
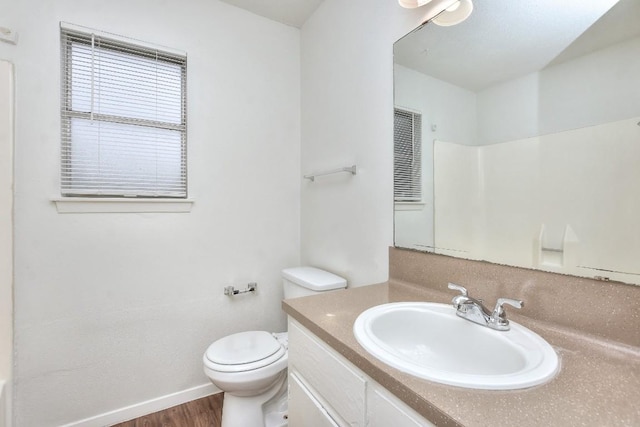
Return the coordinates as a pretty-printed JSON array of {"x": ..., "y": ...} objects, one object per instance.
[{"x": 598, "y": 383}]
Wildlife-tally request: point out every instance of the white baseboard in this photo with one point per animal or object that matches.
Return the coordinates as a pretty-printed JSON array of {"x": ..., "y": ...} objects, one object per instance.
[
  {"x": 4, "y": 414},
  {"x": 147, "y": 407}
]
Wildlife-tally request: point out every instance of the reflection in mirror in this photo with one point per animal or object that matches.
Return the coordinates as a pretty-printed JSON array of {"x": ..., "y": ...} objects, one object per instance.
[{"x": 530, "y": 126}]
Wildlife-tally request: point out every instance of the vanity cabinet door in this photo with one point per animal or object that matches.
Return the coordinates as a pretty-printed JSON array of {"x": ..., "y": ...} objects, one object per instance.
[
  {"x": 304, "y": 408},
  {"x": 384, "y": 410},
  {"x": 325, "y": 389},
  {"x": 335, "y": 382}
]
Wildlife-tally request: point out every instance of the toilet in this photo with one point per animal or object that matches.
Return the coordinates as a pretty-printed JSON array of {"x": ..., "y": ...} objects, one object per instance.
[{"x": 251, "y": 367}]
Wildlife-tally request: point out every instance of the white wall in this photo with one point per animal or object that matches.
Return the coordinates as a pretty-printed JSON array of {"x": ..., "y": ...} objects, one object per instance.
[
  {"x": 115, "y": 309},
  {"x": 449, "y": 114},
  {"x": 451, "y": 109},
  {"x": 6, "y": 235},
  {"x": 347, "y": 117},
  {"x": 509, "y": 110},
  {"x": 593, "y": 89}
]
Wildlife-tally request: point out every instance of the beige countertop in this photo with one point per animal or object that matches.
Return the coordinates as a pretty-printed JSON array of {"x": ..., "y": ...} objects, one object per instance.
[{"x": 598, "y": 383}]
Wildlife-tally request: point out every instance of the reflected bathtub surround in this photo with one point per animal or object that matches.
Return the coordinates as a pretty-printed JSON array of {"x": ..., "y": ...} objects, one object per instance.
[{"x": 529, "y": 111}]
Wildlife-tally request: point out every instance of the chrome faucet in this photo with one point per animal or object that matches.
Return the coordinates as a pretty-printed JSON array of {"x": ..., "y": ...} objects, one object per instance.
[{"x": 473, "y": 310}]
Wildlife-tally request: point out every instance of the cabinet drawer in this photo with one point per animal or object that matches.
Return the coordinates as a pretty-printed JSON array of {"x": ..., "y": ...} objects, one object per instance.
[{"x": 336, "y": 383}]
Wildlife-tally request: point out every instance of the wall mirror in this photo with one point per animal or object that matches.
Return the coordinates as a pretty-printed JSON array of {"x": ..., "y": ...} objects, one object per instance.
[{"x": 517, "y": 137}]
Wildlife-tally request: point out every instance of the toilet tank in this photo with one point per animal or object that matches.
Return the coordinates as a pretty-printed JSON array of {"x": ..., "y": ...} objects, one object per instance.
[{"x": 302, "y": 281}]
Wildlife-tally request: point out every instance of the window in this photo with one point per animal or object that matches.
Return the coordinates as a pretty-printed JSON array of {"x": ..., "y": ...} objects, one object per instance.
[
  {"x": 407, "y": 165},
  {"x": 124, "y": 126}
]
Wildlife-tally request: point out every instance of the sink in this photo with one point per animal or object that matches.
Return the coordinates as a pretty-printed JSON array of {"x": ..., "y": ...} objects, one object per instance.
[{"x": 429, "y": 341}]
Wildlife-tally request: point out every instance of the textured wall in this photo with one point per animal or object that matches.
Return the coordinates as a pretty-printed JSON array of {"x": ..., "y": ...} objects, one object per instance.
[
  {"x": 347, "y": 118},
  {"x": 115, "y": 309},
  {"x": 6, "y": 232}
]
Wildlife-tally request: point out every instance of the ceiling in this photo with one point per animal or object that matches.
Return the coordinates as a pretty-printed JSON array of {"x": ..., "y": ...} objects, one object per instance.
[
  {"x": 289, "y": 12},
  {"x": 503, "y": 40},
  {"x": 509, "y": 38}
]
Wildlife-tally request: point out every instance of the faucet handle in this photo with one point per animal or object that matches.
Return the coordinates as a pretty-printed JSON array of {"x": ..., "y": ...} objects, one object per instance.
[
  {"x": 512, "y": 302},
  {"x": 498, "y": 317},
  {"x": 455, "y": 287}
]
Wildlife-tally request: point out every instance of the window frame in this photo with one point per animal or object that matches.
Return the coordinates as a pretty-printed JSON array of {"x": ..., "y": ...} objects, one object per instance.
[
  {"x": 407, "y": 183},
  {"x": 72, "y": 34}
]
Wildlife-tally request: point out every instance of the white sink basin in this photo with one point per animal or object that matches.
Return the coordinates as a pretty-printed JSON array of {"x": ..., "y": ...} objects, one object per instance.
[{"x": 429, "y": 341}]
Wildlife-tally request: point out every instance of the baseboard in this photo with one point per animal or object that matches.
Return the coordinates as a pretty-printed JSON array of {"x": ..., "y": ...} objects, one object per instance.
[
  {"x": 4, "y": 404},
  {"x": 147, "y": 407}
]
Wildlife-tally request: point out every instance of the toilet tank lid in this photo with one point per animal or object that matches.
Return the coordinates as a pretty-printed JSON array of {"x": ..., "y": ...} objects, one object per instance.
[{"x": 314, "y": 278}]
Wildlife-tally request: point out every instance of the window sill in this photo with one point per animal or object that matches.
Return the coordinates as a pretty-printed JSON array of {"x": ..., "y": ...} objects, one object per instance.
[
  {"x": 120, "y": 205},
  {"x": 409, "y": 206}
]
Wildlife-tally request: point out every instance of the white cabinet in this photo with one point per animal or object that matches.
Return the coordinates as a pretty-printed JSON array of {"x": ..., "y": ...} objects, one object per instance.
[
  {"x": 339, "y": 387},
  {"x": 325, "y": 389},
  {"x": 384, "y": 410},
  {"x": 307, "y": 411}
]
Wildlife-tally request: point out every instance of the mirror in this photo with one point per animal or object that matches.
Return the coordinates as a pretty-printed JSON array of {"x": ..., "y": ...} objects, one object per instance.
[{"x": 529, "y": 119}]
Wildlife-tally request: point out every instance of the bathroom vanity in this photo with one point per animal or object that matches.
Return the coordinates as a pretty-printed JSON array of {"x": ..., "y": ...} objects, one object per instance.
[
  {"x": 325, "y": 389},
  {"x": 594, "y": 327}
]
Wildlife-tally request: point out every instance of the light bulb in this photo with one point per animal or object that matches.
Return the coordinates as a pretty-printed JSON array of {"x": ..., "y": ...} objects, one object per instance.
[
  {"x": 453, "y": 7},
  {"x": 412, "y": 4},
  {"x": 454, "y": 14}
]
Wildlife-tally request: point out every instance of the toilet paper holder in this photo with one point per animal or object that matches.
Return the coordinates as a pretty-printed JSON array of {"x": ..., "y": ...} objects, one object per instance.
[{"x": 231, "y": 291}]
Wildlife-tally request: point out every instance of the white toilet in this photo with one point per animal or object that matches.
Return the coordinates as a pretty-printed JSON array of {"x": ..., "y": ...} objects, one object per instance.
[{"x": 251, "y": 367}]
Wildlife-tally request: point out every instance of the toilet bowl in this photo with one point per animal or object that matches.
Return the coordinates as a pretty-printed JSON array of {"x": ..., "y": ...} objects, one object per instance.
[{"x": 251, "y": 367}]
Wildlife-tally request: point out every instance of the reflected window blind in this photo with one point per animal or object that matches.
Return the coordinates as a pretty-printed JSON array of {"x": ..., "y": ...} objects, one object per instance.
[
  {"x": 124, "y": 124},
  {"x": 407, "y": 138}
]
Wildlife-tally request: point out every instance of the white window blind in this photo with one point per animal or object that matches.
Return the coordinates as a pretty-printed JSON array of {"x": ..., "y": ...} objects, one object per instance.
[
  {"x": 124, "y": 124},
  {"x": 407, "y": 171}
]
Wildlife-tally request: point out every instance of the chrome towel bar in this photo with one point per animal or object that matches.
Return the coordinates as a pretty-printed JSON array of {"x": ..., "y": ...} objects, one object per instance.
[{"x": 350, "y": 169}]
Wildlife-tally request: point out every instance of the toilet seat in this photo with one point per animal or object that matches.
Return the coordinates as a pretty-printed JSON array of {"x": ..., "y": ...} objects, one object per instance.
[{"x": 244, "y": 351}]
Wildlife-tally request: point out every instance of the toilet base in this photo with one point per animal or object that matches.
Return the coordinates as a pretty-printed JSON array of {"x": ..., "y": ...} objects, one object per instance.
[
  {"x": 276, "y": 410},
  {"x": 268, "y": 409}
]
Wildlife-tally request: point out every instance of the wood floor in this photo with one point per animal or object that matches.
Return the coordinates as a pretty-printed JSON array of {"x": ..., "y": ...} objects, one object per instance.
[{"x": 205, "y": 412}]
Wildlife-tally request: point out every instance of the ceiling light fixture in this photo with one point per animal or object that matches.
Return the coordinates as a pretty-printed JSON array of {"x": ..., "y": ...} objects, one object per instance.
[
  {"x": 453, "y": 7},
  {"x": 412, "y": 4},
  {"x": 454, "y": 14}
]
